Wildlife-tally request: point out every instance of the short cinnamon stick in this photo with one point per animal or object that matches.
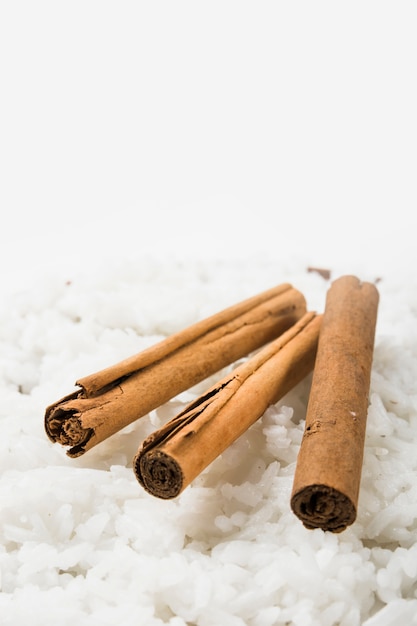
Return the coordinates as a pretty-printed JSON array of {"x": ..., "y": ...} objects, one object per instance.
[
  {"x": 329, "y": 465},
  {"x": 170, "y": 458},
  {"x": 112, "y": 398}
]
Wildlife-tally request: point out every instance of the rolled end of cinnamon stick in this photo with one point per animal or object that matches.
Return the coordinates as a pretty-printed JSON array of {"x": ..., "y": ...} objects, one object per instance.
[
  {"x": 320, "y": 506},
  {"x": 65, "y": 427},
  {"x": 159, "y": 474}
]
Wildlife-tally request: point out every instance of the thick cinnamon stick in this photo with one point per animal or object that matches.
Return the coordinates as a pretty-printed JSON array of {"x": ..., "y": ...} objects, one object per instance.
[
  {"x": 329, "y": 465},
  {"x": 112, "y": 398},
  {"x": 170, "y": 458}
]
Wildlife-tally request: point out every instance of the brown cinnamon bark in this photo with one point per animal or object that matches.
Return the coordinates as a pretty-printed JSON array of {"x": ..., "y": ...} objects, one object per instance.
[
  {"x": 329, "y": 465},
  {"x": 114, "y": 397},
  {"x": 170, "y": 458},
  {"x": 324, "y": 272}
]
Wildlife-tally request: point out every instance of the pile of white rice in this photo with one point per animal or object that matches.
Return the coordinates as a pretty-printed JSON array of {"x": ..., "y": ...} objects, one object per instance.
[{"x": 81, "y": 541}]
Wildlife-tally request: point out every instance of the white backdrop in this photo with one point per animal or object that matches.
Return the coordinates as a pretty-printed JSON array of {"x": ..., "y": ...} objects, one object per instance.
[{"x": 208, "y": 128}]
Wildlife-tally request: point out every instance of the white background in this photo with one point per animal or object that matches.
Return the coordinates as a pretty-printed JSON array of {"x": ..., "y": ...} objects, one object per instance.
[{"x": 208, "y": 128}]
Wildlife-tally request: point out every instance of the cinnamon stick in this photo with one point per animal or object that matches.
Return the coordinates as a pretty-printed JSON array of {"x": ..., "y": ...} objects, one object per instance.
[
  {"x": 170, "y": 458},
  {"x": 112, "y": 398},
  {"x": 329, "y": 465}
]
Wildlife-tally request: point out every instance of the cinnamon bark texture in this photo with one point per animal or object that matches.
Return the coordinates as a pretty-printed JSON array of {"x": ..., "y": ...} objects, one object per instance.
[
  {"x": 112, "y": 398},
  {"x": 329, "y": 465},
  {"x": 170, "y": 458}
]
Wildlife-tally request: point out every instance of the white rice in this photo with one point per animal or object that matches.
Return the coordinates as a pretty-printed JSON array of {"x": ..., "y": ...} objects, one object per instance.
[{"x": 82, "y": 543}]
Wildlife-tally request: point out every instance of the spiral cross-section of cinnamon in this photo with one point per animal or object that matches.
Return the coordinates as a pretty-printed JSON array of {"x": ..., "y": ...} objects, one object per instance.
[
  {"x": 320, "y": 506},
  {"x": 159, "y": 474}
]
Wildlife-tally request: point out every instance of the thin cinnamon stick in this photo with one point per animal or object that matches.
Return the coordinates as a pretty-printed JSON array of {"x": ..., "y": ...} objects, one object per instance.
[
  {"x": 329, "y": 465},
  {"x": 112, "y": 398},
  {"x": 170, "y": 458}
]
